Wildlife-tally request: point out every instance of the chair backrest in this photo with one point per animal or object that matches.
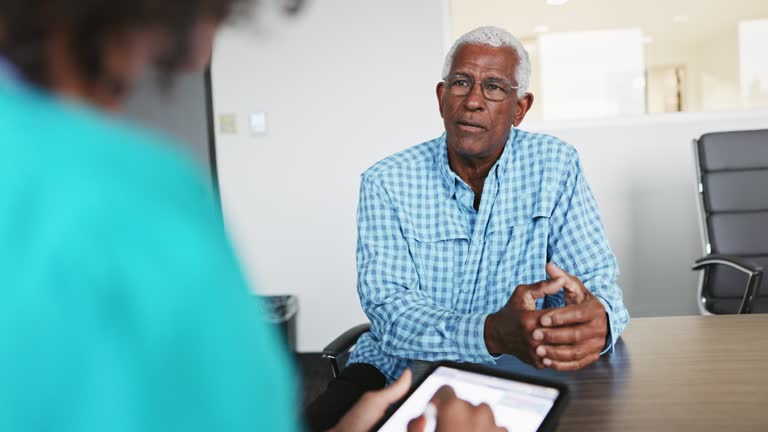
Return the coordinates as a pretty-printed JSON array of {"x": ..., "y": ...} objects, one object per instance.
[{"x": 733, "y": 173}]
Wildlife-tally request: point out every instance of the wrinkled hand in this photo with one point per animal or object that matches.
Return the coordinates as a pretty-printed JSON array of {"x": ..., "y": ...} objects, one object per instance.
[
  {"x": 371, "y": 407},
  {"x": 510, "y": 329},
  {"x": 454, "y": 414},
  {"x": 573, "y": 336}
]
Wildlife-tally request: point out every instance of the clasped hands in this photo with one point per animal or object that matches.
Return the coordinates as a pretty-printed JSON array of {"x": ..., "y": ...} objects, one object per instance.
[{"x": 565, "y": 338}]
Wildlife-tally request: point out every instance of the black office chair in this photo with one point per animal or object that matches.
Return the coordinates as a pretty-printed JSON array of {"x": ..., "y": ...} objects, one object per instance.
[
  {"x": 338, "y": 350},
  {"x": 732, "y": 170}
]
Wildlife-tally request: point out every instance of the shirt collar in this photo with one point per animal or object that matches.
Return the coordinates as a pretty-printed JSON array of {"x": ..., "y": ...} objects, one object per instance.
[{"x": 451, "y": 179}]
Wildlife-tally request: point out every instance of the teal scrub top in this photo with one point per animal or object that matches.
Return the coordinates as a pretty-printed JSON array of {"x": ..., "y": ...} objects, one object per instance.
[{"x": 122, "y": 305}]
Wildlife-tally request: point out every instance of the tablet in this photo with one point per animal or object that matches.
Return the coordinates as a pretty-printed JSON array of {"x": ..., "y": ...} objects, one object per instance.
[{"x": 519, "y": 403}]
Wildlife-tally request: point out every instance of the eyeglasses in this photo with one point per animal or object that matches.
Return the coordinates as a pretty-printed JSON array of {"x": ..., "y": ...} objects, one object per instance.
[{"x": 494, "y": 89}]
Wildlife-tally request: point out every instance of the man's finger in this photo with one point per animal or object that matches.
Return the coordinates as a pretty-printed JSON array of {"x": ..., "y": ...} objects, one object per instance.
[
  {"x": 572, "y": 365},
  {"x": 545, "y": 288},
  {"x": 568, "y": 315},
  {"x": 570, "y": 335},
  {"x": 575, "y": 291},
  {"x": 570, "y": 352},
  {"x": 555, "y": 272}
]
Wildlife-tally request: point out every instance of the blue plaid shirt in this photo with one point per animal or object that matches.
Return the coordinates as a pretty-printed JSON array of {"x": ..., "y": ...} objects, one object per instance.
[{"x": 431, "y": 268}]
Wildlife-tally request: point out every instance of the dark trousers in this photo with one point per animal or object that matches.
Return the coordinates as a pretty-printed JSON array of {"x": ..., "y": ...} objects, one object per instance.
[{"x": 343, "y": 392}]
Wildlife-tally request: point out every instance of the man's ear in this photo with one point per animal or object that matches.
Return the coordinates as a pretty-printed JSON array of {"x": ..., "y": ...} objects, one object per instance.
[
  {"x": 440, "y": 90},
  {"x": 521, "y": 108}
]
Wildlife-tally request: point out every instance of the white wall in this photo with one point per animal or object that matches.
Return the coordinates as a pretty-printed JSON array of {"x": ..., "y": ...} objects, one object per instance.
[
  {"x": 344, "y": 85},
  {"x": 643, "y": 176}
]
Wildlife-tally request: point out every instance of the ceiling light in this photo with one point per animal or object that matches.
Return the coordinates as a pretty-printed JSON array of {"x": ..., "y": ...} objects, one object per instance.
[
  {"x": 556, "y": 2},
  {"x": 680, "y": 18},
  {"x": 541, "y": 29}
]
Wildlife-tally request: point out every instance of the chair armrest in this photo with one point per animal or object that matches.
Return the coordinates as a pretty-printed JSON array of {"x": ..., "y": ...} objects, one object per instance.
[
  {"x": 342, "y": 344},
  {"x": 732, "y": 261},
  {"x": 754, "y": 273},
  {"x": 346, "y": 341}
]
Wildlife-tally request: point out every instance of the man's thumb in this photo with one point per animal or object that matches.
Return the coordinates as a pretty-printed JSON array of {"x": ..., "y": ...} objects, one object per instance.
[
  {"x": 555, "y": 272},
  {"x": 545, "y": 288}
]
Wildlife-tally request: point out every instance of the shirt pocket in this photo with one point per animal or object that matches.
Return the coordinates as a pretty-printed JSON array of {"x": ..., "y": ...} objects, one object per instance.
[
  {"x": 439, "y": 254},
  {"x": 516, "y": 248}
]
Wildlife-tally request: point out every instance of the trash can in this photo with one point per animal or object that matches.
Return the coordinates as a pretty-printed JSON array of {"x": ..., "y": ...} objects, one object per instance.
[{"x": 281, "y": 311}]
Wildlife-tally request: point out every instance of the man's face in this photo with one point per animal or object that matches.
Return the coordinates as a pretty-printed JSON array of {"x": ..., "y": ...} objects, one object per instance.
[{"x": 475, "y": 126}]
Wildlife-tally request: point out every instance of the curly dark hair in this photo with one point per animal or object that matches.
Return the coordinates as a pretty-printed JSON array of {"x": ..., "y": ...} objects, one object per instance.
[{"x": 27, "y": 26}]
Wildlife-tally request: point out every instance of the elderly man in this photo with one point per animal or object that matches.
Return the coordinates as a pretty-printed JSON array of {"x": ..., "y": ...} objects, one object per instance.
[{"x": 485, "y": 241}]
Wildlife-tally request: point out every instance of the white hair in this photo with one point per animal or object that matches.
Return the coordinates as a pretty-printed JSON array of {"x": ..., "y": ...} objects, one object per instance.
[{"x": 495, "y": 37}]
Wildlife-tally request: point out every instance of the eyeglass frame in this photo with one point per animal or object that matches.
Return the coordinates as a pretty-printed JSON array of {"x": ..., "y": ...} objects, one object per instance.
[{"x": 483, "y": 83}]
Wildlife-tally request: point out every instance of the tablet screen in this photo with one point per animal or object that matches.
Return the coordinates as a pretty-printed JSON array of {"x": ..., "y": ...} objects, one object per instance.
[{"x": 518, "y": 406}]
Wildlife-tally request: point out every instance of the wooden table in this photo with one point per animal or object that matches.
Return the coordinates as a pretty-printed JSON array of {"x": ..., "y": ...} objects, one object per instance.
[{"x": 678, "y": 373}]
